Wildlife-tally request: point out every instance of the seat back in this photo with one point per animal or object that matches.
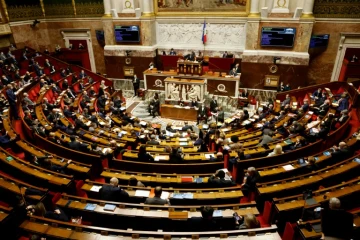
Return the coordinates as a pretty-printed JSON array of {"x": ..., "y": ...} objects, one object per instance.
[
  {"x": 267, "y": 212},
  {"x": 79, "y": 191},
  {"x": 288, "y": 232}
]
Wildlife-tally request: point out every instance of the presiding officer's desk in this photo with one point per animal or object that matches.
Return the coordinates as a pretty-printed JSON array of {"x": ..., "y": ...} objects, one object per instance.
[
  {"x": 200, "y": 195},
  {"x": 64, "y": 230}
]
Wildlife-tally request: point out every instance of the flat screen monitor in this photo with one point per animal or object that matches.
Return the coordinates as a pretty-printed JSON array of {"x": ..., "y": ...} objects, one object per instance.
[
  {"x": 278, "y": 37},
  {"x": 124, "y": 34},
  {"x": 319, "y": 41}
]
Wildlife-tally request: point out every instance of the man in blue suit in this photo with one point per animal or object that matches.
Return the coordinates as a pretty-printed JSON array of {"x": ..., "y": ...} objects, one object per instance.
[
  {"x": 12, "y": 101},
  {"x": 343, "y": 103}
]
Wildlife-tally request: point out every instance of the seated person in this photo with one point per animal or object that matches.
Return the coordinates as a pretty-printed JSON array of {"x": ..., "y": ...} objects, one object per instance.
[
  {"x": 312, "y": 165},
  {"x": 277, "y": 151},
  {"x": 343, "y": 103},
  {"x": 344, "y": 116},
  {"x": 305, "y": 106},
  {"x": 113, "y": 192},
  {"x": 218, "y": 179},
  {"x": 202, "y": 113},
  {"x": 336, "y": 223},
  {"x": 206, "y": 222},
  {"x": 153, "y": 140},
  {"x": 219, "y": 157},
  {"x": 176, "y": 156},
  {"x": 300, "y": 142},
  {"x": 135, "y": 183},
  {"x": 341, "y": 152},
  {"x": 250, "y": 222},
  {"x": 47, "y": 164},
  {"x": 143, "y": 156},
  {"x": 286, "y": 101},
  {"x": 40, "y": 211},
  {"x": 250, "y": 179},
  {"x": 233, "y": 72},
  {"x": 193, "y": 103},
  {"x": 75, "y": 145},
  {"x": 266, "y": 138},
  {"x": 157, "y": 200}
]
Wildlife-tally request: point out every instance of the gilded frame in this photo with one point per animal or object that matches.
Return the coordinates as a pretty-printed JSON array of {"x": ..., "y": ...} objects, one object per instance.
[{"x": 203, "y": 14}]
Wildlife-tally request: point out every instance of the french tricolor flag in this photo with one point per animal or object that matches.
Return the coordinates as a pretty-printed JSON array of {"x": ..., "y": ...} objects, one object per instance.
[{"x": 204, "y": 39}]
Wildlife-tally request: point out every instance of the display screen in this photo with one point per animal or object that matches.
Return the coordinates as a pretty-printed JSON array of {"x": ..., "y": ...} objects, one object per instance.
[
  {"x": 277, "y": 37},
  {"x": 319, "y": 41},
  {"x": 100, "y": 36},
  {"x": 127, "y": 34}
]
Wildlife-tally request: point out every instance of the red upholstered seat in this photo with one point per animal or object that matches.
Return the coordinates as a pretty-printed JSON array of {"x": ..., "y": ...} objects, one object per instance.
[
  {"x": 56, "y": 198},
  {"x": 264, "y": 218},
  {"x": 20, "y": 155},
  {"x": 79, "y": 191},
  {"x": 288, "y": 232}
]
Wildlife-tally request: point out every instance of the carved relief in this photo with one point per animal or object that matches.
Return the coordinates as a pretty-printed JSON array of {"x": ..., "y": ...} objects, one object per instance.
[
  {"x": 337, "y": 9},
  {"x": 217, "y": 34}
]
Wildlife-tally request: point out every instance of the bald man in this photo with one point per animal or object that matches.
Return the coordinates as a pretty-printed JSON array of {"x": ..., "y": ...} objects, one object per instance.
[
  {"x": 341, "y": 152},
  {"x": 113, "y": 192},
  {"x": 157, "y": 200}
]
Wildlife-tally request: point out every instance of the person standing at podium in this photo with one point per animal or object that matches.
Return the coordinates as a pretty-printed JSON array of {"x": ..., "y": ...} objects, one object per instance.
[
  {"x": 172, "y": 52},
  {"x": 202, "y": 113},
  {"x": 191, "y": 56},
  {"x": 136, "y": 85}
]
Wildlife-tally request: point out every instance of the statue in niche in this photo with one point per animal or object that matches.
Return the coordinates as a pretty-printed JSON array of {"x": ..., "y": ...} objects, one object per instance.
[
  {"x": 194, "y": 92},
  {"x": 174, "y": 91},
  {"x": 183, "y": 92}
]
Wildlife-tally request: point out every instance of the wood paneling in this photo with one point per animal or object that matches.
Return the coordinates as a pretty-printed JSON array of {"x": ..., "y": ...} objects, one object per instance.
[
  {"x": 253, "y": 75},
  {"x": 115, "y": 65}
]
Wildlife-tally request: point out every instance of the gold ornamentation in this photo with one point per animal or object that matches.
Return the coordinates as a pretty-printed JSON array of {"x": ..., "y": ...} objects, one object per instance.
[
  {"x": 128, "y": 4},
  {"x": 127, "y": 60},
  {"x": 20, "y": 13},
  {"x": 92, "y": 9},
  {"x": 74, "y": 6},
  {"x": 279, "y": 3},
  {"x": 59, "y": 10},
  {"x": 4, "y": 8},
  {"x": 337, "y": 9},
  {"x": 42, "y": 7},
  {"x": 273, "y": 68}
]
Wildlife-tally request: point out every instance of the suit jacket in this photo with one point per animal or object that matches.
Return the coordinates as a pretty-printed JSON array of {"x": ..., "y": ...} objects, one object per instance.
[
  {"x": 68, "y": 113},
  {"x": 305, "y": 107},
  {"x": 336, "y": 223},
  {"x": 172, "y": 53},
  {"x": 213, "y": 105},
  {"x": 11, "y": 96},
  {"x": 156, "y": 201},
  {"x": 286, "y": 101},
  {"x": 221, "y": 182},
  {"x": 75, "y": 145},
  {"x": 343, "y": 105},
  {"x": 342, "y": 154},
  {"x": 250, "y": 183},
  {"x": 101, "y": 102},
  {"x": 194, "y": 104},
  {"x": 82, "y": 75},
  {"x": 202, "y": 111},
  {"x": 186, "y": 127},
  {"x": 136, "y": 82},
  {"x": 153, "y": 142},
  {"x": 112, "y": 193}
]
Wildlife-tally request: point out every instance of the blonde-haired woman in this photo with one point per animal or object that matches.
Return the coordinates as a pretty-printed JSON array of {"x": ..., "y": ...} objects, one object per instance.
[
  {"x": 277, "y": 151},
  {"x": 250, "y": 222}
]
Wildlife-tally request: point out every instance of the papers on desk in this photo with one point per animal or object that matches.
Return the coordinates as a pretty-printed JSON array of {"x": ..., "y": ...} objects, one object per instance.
[
  {"x": 142, "y": 193},
  {"x": 143, "y": 123},
  {"x": 310, "y": 112},
  {"x": 177, "y": 127},
  {"x": 95, "y": 188},
  {"x": 292, "y": 115},
  {"x": 314, "y": 130},
  {"x": 161, "y": 157},
  {"x": 183, "y": 143},
  {"x": 106, "y": 150},
  {"x": 198, "y": 180},
  {"x": 178, "y": 106},
  {"x": 182, "y": 195},
  {"x": 207, "y": 156},
  {"x": 187, "y": 107},
  {"x": 90, "y": 207},
  {"x": 246, "y": 122},
  {"x": 217, "y": 213},
  {"x": 184, "y": 134},
  {"x": 165, "y": 195},
  {"x": 288, "y": 141},
  {"x": 205, "y": 126},
  {"x": 122, "y": 108},
  {"x": 227, "y": 177},
  {"x": 312, "y": 124},
  {"x": 288, "y": 167},
  {"x": 225, "y": 129},
  {"x": 183, "y": 139}
]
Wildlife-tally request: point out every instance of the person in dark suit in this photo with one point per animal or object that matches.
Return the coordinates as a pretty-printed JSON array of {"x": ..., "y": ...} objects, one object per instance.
[
  {"x": 218, "y": 179},
  {"x": 75, "y": 145},
  {"x": 68, "y": 113},
  {"x": 305, "y": 106},
  {"x": 157, "y": 200},
  {"x": 251, "y": 178},
  {"x": 82, "y": 74},
  {"x": 113, "y": 192},
  {"x": 175, "y": 156},
  {"x": 344, "y": 116},
  {"x": 336, "y": 222},
  {"x": 202, "y": 113},
  {"x": 204, "y": 223},
  {"x": 154, "y": 107},
  {"x": 237, "y": 68},
  {"x": 287, "y": 87},
  {"x": 117, "y": 102},
  {"x": 225, "y": 54},
  {"x": 213, "y": 105},
  {"x": 187, "y": 126},
  {"x": 341, "y": 152},
  {"x": 191, "y": 56},
  {"x": 233, "y": 72},
  {"x": 12, "y": 101},
  {"x": 101, "y": 102},
  {"x": 143, "y": 156},
  {"x": 136, "y": 85},
  {"x": 317, "y": 94},
  {"x": 193, "y": 103},
  {"x": 244, "y": 93},
  {"x": 319, "y": 101},
  {"x": 323, "y": 108},
  {"x": 153, "y": 141},
  {"x": 172, "y": 52}
]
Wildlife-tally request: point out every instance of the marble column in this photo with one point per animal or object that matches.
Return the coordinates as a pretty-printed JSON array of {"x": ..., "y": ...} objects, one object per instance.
[
  {"x": 107, "y": 8},
  {"x": 147, "y": 8},
  {"x": 308, "y": 9},
  {"x": 254, "y": 8}
]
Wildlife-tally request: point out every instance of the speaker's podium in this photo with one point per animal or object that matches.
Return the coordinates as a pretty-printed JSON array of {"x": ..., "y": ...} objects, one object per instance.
[{"x": 188, "y": 67}]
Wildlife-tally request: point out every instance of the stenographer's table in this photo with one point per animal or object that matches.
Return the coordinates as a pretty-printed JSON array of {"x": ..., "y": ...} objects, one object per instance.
[{"x": 178, "y": 113}]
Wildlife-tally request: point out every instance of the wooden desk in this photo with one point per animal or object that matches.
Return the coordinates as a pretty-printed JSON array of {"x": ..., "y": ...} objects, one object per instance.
[
  {"x": 189, "y": 67},
  {"x": 178, "y": 113}
]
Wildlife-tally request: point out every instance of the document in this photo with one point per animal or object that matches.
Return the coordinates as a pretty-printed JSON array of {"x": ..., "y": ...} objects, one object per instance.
[
  {"x": 288, "y": 167},
  {"x": 95, "y": 188},
  {"x": 165, "y": 195},
  {"x": 142, "y": 193}
]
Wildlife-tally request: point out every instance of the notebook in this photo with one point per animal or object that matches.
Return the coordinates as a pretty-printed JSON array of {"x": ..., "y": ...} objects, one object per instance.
[
  {"x": 199, "y": 180},
  {"x": 357, "y": 160},
  {"x": 109, "y": 207},
  {"x": 188, "y": 195},
  {"x": 165, "y": 195},
  {"x": 288, "y": 141},
  {"x": 90, "y": 207},
  {"x": 288, "y": 167},
  {"x": 177, "y": 196}
]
